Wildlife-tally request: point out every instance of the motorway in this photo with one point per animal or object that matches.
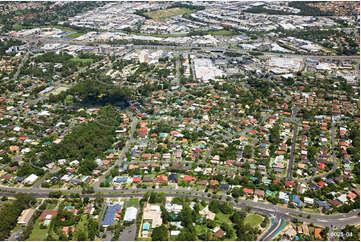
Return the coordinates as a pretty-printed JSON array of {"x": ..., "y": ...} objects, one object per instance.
[{"x": 182, "y": 47}]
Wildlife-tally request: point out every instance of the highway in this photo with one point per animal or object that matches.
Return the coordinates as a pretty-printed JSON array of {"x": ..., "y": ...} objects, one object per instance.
[
  {"x": 276, "y": 226},
  {"x": 183, "y": 47},
  {"x": 264, "y": 208}
]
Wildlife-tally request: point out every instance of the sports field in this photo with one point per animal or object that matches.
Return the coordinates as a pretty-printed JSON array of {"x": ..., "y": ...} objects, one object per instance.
[{"x": 167, "y": 13}]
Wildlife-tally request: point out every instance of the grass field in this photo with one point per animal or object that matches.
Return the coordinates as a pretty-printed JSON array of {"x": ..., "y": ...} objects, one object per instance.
[
  {"x": 223, "y": 218},
  {"x": 74, "y": 35},
  {"x": 89, "y": 61},
  {"x": 167, "y": 13},
  {"x": 221, "y": 32},
  {"x": 37, "y": 234},
  {"x": 253, "y": 220},
  {"x": 133, "y": 202}
]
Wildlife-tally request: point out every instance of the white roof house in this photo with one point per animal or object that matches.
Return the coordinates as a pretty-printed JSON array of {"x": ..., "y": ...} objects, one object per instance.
[
  {"x": 342, "y": 198},
  {"x": 308, "y": 200},
  {"x": 174, "y": 232},
  {"x": 283, "y": 196},
  {"x": 130, "y": 214},
  {"x": 31, "y": 179}
]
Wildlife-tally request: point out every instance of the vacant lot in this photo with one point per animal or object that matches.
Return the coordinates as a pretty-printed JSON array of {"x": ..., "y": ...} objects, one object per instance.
[{"x": 167, "y": 13}]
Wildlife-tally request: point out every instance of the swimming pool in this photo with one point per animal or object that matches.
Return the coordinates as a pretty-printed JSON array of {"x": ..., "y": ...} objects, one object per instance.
[{"x": 146, "y": 226}]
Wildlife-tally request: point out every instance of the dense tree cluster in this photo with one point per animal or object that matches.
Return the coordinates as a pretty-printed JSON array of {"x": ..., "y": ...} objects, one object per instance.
[
  {"x": 11, "y": 211},
  {"x": 86, "y": 141},
  {"x": 91, "y": 92},
  {"x": 306, "y": 10},
  {"x": 6, "y": 44}
]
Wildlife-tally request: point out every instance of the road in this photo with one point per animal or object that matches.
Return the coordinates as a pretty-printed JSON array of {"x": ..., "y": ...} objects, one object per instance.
[
  {"x": 334, "y": 158},
  {"x": 277, "y": 225},
  {"x": 21, "y": 65},
  {"x": 182, "y": 47},
  {"x": 293, "y": 147},
  {"x": 177, "y": 67},
  {"x": 122, "y": 155},
  {"x": 284, "y": 213}
]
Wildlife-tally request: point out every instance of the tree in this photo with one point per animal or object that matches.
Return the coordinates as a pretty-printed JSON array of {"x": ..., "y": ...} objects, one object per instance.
[
  {"x": 81, "y": 236},
  {"x": 160, "y": 233}
]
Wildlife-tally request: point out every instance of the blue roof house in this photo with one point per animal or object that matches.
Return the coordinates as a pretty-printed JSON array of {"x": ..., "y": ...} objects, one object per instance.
[
  {"x": 296, "y": 199},
  {"x": 109, "y": 216}
]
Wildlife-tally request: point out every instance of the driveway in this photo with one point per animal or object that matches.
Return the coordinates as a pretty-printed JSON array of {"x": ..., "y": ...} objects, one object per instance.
[{"x": 129, "y": 233}]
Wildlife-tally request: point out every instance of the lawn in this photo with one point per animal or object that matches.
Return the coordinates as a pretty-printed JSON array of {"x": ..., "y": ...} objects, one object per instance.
[
  {"x": 37, "y": 233},
  {"x": 79, "y": 60},
  {"x": 167, "y": 13},
  {"x": 221, "y": 32},
  {"x": 74, "y": 35},
  {"x": 133, "y": 202},
  {"x": 223, "y": 218},
  {"x": 253, "y": 220}
]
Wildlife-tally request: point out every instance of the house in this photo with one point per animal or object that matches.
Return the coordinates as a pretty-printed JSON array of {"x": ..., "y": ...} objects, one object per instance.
[
  {"x": 148, "y": 179},
  {"x": 47, "y": 215},
  {"x": 153, "y": 214},
  {"x": 173, "y": 208},
  {"x": 296, "y": 199},
  {"x": 130, "y": 214},
  {"x": 322, "y": 204},
  {"x": 290, "y": 184},
  {"x": 225, "y": 187},
  {"x": 305, "y": 229},
  {"x": 119, "y": 180},
  {"x": 30, "y": 179},
  {"x": 188, "y": 178},
  {"x": 308, "y": 200},
  {"x": 321, "y": 183},
  {"x": 174, "y": 233},
  {"x": 67, "y": 228},
  {"x": 137, "y": 179},
  {"x": 202, "y": 182},
  {"x": 162, "y": 179},
  {"x": 110, "y": 214},
  {"x": 342, "y": 198},
  {"x": 351, "y": 195},
  {"x": 26, "y": 216},
  {"x": 248, "y": 191},
  {"x": 335, "y": 203},
  {"x": 259, "y": 193},
  {"x": 283, "y": 196},
  {"x": 290, "y": 232},
  {"x": 208, "y": 214},
  {"x": 173, "y": 178},
  {"x": 317, "y": 233},
  {"x": 218, "y": 232}
]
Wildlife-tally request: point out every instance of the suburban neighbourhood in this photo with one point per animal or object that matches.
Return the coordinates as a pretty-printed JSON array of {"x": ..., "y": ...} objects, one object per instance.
[{"x": 180, "y": 121}]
